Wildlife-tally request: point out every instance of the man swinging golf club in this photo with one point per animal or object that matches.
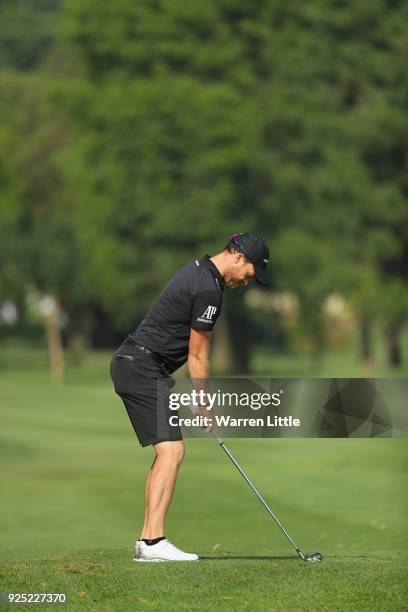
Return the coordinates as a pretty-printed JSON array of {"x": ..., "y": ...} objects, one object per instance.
[{"x": 177, "y": 329}]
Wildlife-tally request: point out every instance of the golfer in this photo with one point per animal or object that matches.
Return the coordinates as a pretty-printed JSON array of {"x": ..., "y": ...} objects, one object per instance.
[{"x": 177, "y": 329}]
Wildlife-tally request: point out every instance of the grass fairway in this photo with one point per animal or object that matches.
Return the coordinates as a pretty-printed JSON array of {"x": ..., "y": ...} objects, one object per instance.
[{"x": 72, "y": 477}]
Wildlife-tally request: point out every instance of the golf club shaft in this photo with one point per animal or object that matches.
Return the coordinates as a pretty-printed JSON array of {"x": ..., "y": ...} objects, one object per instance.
[{"x": 255, "y": 490}]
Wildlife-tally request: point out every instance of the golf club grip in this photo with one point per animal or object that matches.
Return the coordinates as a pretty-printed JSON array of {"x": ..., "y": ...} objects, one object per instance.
[{"x": 217, "y": 437}]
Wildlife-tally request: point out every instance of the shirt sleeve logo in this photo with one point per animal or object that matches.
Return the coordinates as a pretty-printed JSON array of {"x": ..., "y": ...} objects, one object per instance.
[{"x": 208, "y": 314}]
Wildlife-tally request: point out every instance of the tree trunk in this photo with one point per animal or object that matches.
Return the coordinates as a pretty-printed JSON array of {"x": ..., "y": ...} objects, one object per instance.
[
  {"x": 366, "y": 340},
  {"x": 392, "y": 340},
  {"x": 101, "y": 334},
  {"x": 48, "y": 309},
  {"x": 54, "y": 342},
  {"x": 221, "y": 357},
  {"x": 76, "y": 347},
  {"x": 238, "y": 324},
  {"x": 76, "y": 334},
  {"x": 231, "y": 344}
]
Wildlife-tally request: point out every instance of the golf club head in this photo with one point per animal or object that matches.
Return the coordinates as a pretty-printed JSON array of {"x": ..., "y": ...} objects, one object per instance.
[{"x": 314, "y": 557}]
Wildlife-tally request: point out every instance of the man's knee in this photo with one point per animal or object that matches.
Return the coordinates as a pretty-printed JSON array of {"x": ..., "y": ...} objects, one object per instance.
[{"x": 171, "y": 450}]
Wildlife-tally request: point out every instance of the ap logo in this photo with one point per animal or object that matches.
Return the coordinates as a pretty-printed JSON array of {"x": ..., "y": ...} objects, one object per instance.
[{"x": 209, "y": 312}]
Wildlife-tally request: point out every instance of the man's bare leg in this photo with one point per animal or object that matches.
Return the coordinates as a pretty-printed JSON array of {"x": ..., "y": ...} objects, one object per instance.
[
  {"x": 146, "y": 494},
  {"x": 160, "y": 484}
]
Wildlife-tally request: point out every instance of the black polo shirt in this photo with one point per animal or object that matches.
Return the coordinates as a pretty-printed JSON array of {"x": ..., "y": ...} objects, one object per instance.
[{"x": 191, "y": 299}]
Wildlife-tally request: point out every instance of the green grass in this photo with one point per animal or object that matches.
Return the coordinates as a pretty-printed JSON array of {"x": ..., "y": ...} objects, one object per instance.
[{"x": 72, "y": 477}]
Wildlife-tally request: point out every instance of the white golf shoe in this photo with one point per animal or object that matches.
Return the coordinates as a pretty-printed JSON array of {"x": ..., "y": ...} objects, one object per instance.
[{"x": 162, "y": 551}]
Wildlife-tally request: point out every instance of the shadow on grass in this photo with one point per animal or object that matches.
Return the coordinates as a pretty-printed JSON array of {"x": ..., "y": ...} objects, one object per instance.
[
  {"x": 246, "y": 558},
  {"x": 286, "y": 558}
]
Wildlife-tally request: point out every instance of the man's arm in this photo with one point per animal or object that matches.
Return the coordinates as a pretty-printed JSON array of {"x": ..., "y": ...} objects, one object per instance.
[
  {"x": 198, "y": 354},
  {"x": 199, "y": 370}
]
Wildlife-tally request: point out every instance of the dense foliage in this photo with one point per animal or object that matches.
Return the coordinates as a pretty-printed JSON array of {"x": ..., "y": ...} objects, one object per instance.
[{"x": 139, "y": 134}]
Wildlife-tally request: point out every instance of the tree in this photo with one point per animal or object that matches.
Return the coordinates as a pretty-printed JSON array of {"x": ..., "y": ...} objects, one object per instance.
[{"x": 225, "y": 104}]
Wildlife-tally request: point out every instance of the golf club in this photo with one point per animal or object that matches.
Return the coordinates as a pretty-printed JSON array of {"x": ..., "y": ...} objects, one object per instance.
[{"x": 314, "y": 556}]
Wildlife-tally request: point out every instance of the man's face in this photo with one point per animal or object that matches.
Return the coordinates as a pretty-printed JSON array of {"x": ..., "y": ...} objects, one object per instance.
[{"x": 240, "y": 272}]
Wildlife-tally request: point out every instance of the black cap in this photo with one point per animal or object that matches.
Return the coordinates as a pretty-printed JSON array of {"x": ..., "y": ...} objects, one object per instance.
[{"x": 255, "y": 250}]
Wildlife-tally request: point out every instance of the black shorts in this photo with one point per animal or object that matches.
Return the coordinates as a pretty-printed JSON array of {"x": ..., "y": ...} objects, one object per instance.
[{"x": 144, "y": 387}]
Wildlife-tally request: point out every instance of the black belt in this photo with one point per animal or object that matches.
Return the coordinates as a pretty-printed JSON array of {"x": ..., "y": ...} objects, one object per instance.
[
  {"x": 138, "y": 347},
  {"x": 146, "y": 351},
  {"x": 143, "y": 349}
]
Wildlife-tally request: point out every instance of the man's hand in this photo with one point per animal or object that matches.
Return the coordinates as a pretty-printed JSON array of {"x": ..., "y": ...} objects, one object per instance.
[{"x": 202, "y": 411}]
